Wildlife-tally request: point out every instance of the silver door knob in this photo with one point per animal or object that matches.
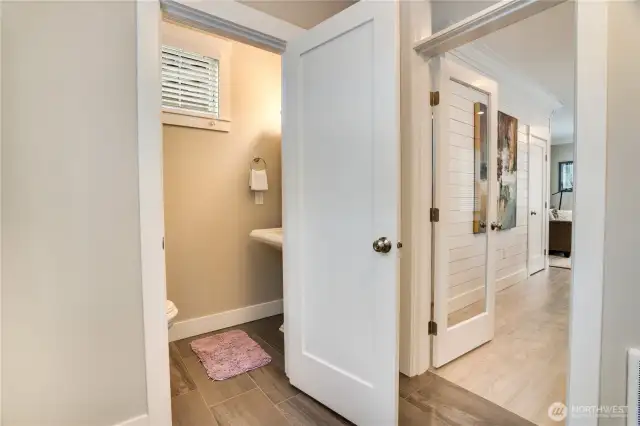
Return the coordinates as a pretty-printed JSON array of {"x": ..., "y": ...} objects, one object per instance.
[
  {"x": 495, "y": 226},
  {"x": 382, "y": 245},
  {"x": 533, "y": 213}
]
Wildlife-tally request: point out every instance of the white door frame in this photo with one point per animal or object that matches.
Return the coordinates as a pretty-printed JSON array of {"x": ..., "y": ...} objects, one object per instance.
[
  {"x": 0, "y": 214},
  {"x": 590, "y": 135},
  {"x": 416, "y": 157},
  {"x": 244, "y": 22},
  {"x": 453, "y": 341},
  {"x": 545, "y": 195},
  {"x": 586, "y": 312}
]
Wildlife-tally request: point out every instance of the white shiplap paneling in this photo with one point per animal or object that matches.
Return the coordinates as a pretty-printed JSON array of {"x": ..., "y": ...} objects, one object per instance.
[{"x": 467, "y": 251}]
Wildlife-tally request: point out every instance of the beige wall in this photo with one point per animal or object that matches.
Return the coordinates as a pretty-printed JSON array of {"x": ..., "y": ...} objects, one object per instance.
[
  {"x": 305, "y": 14},
  {"x": 621, "y": 315},
  {"x": 72, "y": 331},
  {"x": 212, "y": 265}
]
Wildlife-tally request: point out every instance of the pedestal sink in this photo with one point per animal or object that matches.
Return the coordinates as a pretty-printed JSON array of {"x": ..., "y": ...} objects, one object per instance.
[{"x": 269, "y": 236}]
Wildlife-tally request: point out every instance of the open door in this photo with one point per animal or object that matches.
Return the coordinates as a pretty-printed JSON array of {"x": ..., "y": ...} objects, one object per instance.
[
  {"x": 465, "y": 193},
  {"x": 537, "y": 240},
  {"x": 341, "y": 179}
]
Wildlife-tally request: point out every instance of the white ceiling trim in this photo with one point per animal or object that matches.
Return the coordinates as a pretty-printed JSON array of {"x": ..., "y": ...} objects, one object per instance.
[
  {"x": 519, "y": 94},
  {"x": 478, "y": 25},
  {"x": 233, "y": 20}
]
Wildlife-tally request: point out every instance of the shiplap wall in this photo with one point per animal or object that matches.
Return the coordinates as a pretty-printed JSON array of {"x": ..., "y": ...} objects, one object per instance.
[
  {"x": 467, "y": 251},
  {"x": 511, "y": 244}
]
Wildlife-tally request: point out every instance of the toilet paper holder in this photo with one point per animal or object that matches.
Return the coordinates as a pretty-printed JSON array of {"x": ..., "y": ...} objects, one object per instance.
[{"x": 256, "y": 161}]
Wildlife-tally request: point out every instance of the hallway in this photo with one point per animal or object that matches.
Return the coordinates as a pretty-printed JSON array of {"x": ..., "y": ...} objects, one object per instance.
[{"x": 524, "y": 367}]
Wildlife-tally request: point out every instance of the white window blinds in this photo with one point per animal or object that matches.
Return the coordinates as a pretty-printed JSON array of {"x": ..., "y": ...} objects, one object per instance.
[{"x": 189, "y": 82}]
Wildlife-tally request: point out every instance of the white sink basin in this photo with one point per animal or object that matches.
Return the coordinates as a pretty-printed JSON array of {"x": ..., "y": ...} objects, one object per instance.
[{"x": 270, "y": 236}]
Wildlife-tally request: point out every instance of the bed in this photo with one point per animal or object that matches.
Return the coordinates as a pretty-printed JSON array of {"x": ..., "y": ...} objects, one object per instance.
[{"x": 560, "y": 228}]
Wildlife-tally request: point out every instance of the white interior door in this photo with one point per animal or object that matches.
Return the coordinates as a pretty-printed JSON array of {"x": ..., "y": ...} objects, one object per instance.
[
  {"x": 537, "y": 211},
  {"x": 341, "y": 176},
  {"x": 465, "y": 192}
]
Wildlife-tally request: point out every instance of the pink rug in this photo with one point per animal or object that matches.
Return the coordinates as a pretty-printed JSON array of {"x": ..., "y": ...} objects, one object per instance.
[{"x": 229, "y": 354}]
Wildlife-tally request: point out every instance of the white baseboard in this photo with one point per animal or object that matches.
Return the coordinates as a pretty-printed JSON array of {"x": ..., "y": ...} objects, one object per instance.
[
  {"x": 142, "y": 420},
  {"x": 465, "y": 299},
  {"x": 509, "y": 280},
  {"x": 195, "y": 326}
]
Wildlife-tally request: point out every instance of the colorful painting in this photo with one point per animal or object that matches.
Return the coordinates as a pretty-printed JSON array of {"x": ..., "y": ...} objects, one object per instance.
[
  {"x": 507, "y": 170},
  {"x": 480, "y": 159}
]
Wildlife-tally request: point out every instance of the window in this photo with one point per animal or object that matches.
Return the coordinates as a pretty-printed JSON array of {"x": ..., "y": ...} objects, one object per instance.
[
  {"x": 196, "y": 79},
  {"x": 190, "y": 83},
  {"x": 565, "y": 174}
]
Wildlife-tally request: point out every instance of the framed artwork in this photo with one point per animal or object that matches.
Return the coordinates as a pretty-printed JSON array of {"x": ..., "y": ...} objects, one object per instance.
[{"x": 507, "y": 170}]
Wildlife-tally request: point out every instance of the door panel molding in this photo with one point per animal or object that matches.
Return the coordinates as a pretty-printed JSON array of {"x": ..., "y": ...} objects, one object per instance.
[{"x": 341, "y": 192}]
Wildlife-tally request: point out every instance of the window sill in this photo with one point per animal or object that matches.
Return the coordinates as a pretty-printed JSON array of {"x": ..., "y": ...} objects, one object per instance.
[{"x": 184, "y": 120}]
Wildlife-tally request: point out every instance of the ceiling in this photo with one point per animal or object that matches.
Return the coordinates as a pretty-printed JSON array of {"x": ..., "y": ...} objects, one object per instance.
[
  {"x": 540, "y": 48},
  {"x": 303, "y": 13}
]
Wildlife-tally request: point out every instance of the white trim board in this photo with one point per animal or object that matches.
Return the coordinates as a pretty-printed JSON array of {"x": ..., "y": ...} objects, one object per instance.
[
  {"x": 195, "y": 326},
  {"x": 415, "y": 285},
  {"x": 485, "y": 22},
  {"x": 142, "y": 420},
  {"x": 148, "y": 18},
  {"x": 234, "y": 20},
  {"x": 585, "y": 323},
  {"x": 1, "y": 5}
]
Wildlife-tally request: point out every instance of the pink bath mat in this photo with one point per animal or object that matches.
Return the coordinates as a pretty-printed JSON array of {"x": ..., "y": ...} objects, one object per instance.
[{"x": 229, "y": 354}]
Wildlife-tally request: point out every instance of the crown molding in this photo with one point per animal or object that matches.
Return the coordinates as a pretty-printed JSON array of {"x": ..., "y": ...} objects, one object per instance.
[
  {"x": 189, "y": 13},
  {"x": 487, "y": 21},
  {"x": 515, "y": 87}
]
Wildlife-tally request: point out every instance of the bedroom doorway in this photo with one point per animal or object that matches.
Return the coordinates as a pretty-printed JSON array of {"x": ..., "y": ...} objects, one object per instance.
[{"x": 537, "y": 230}]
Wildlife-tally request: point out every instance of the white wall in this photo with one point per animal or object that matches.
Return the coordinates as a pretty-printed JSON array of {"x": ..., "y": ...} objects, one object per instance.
[
  {"x": 72, "y": 331},
  {"x": 563, "y": 152},
  {"x": 621, "y": 315},
  {"x": 511, "y": 244}
]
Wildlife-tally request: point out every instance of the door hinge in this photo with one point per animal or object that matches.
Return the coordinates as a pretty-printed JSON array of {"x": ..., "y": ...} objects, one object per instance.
[
  {"x": 546, "y": 158},
  {"x": 434, "y": 214},
  {"x": 162, "y": 243},
  {"x": 433, "y": 328},
  {"x": 434, "y": 98},
  {"x": 545, "y": 252},
  {"x": 545, "y": 204}
]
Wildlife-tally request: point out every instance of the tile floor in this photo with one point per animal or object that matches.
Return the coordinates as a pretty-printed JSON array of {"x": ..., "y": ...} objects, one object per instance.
[
  {"x": 264, "y": 397},
  {"x": 524, "y": 367}
]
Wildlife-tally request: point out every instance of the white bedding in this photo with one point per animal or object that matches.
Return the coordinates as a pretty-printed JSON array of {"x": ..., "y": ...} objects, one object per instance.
[{"x": 563, "y": 215}]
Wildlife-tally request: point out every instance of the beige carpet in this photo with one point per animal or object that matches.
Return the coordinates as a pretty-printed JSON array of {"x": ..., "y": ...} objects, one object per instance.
[{"x": 560, "y": 262}]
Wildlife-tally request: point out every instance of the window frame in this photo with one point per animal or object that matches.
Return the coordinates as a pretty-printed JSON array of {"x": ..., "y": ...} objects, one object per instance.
[
  {"x": 205, "y": 44},
  {"x": 561, "y": 164}
]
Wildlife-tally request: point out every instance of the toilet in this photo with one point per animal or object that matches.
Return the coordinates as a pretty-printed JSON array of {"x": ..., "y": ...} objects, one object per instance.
[{"x": 172, "y": 311}]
